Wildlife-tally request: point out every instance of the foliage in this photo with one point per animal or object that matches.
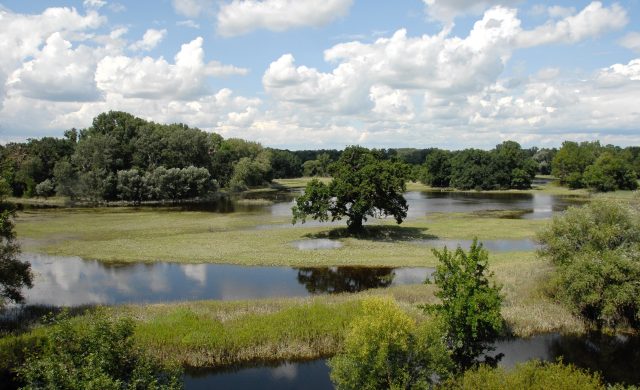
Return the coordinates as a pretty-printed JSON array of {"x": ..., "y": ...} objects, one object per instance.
[
  {"x": 596, "y": 227},
  {"x": 45, "y": 189},
  {"x": 285, "y": 164},
  {"x": 14, "y": 274},
  {"x": 602, "y": 287},
  {"x": 572, "y": 159},
  {"x": 251, "y": 172},
  {"x": 533, "y": 375},
  {"x": 470, "y": 303},
  {"x": 610, "y": 172},
  {"x": 511, "y": 167},
  {"x": 384, "y": 348},
  {"x": 100, "y": 355},
  {"x": 470, "y": 169},
  {"x": 437, "y": 169},
  {"x": 596, "y": 249},
  {"x": 363, "y": 185}
]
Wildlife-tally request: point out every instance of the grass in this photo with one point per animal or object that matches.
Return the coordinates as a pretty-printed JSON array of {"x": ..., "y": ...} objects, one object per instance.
[{"x": 148, "y": 235}]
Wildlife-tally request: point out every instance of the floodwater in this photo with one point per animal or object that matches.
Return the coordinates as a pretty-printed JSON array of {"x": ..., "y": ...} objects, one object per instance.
[
  {"x": 72, "y": 281},
  {"x": 279, "y": 203},
  {"x": 615, "y": 357}
]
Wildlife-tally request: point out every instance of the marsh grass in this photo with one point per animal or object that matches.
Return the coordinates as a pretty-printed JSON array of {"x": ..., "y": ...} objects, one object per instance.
[{"x": 150, "y": 234}]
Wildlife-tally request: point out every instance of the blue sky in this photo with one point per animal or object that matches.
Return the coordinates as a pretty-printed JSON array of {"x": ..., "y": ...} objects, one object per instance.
[{"x": 328, "y": 73}]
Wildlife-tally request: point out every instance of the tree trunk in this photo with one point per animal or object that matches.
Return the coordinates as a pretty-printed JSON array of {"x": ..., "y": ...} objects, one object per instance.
[{"x": 354, "y": 224}]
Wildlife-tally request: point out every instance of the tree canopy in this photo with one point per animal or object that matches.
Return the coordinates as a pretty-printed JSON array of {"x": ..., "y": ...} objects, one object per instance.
[{"x": 364, "y": 184}]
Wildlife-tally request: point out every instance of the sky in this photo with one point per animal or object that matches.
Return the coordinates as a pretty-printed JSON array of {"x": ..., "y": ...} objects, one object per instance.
[{"x": 310, "y": 74}]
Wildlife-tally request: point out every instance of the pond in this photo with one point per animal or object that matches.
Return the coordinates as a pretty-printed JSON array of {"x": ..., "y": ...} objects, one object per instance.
[
  {"x": 72, "y": 281},
  {"x": 615, "y": 357}
]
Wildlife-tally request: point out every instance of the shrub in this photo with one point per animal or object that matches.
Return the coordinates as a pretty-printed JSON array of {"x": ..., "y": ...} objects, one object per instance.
[
  {"x": 99, "y": 356},
  {"x": 386, "y": 349},
  {"x": 528, "y": 376},
  {"x": 45, "y": 188},
  {"x": 597, "y": 252}
]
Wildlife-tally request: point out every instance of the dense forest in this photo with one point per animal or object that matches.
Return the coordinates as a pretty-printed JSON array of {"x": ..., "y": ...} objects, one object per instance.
[{"x": 122, "y": 157}]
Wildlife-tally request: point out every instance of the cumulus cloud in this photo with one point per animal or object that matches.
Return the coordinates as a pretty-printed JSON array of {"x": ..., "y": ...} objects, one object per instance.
[
  {"x": 150, "y": 40},
  {"x": 593, "y": 20},
  {"x": 188, "y": 23},
  {"x": 631, "y": 41},
  {"x": 151, "y": 78},
  {"x": 23, "y": 36},
  {"x": 58, "y": 72},
  {"x": 243, "y": 16},
  {"x": 442, "y": 64}
]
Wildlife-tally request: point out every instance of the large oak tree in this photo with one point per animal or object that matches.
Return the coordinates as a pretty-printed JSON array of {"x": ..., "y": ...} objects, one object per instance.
[{"x": 365, "y": 184}]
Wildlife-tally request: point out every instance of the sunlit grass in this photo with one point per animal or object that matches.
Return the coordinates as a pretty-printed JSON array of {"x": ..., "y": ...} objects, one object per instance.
[{"x": 147, "y": 235}]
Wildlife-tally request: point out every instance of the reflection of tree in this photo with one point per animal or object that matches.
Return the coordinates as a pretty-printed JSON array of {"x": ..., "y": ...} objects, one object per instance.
[
  {"x": 344, "y": 279},
  {"x": 616, "y": 358}
]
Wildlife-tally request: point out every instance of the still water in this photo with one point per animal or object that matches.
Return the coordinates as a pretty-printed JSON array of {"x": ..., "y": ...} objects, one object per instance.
[
  {"x": 72, "y": 281},
  {"x": 421, "y": 203},
  {"x": 615, "y": 357}
]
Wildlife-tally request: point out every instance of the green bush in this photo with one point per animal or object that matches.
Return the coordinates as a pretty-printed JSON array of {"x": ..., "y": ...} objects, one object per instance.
[
  {"x": 595, "y": 227},
  {"x": 386, "y": 349},
  {"x": 532, "y": 375},
  {"x": 470, "y": 303},
  {"x": 597, "y": 252},
  {"x": 99, "y": 355}
]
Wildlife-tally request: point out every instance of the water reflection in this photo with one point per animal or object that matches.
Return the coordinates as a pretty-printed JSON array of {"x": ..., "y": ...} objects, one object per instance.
[
  {"x": 312, "y": 375},
  {"x": 534, "y": 206},
  {"x": 615, "y": 357},
  {"x": 344, "y": 279},
  {"x": 72, "y": 281},
  {"x": 317, "y": 243}
]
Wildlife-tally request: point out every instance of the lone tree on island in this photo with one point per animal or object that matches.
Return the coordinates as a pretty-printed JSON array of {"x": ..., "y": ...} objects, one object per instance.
[{"x": 365, "y": 184}]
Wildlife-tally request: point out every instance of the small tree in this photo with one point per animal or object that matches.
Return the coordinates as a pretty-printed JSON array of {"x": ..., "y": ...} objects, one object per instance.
[
  {"x": 45, "y": 189},
  {"x": 385, "y": 349},
  {"x": 470, "y": 304},
  {"x": 14, "y": 274},
  {"x": 364, "y": 185}
]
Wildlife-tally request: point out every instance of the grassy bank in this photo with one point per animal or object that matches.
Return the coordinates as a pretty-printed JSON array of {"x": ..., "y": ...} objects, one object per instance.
[{"x": 147, "y": 235}]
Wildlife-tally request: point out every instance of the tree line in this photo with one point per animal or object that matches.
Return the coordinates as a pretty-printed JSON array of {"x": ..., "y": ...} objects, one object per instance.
[{"x": 122, "y": 157}]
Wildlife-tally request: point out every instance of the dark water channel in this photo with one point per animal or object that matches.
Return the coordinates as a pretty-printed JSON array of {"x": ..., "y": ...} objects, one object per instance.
[
  {"x": 72, "y": 281},
  {"x": 615, "y": 357}
]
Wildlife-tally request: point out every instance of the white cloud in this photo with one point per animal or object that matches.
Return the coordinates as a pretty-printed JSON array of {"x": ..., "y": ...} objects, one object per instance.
[
  {"x": 243, "y": 16},
  {"x": 192, "y": 8},
  {"x": 444, "y": 65},
  {"x": 592, "y": 21},
  {"x": 447, "y": 10},
  {"x": 22, "y": 36},
  {"x": 631, "y": 41},
  {"x": 151, "y": 78},
  {"x": 150, "y": 40},
  {"x": 58, "y": 72}
]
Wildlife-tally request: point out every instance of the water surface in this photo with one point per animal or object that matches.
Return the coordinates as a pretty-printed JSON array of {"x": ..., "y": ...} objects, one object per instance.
[
  {"x": 72, "y": 281},
  {"x": 615, "y": 357}
]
